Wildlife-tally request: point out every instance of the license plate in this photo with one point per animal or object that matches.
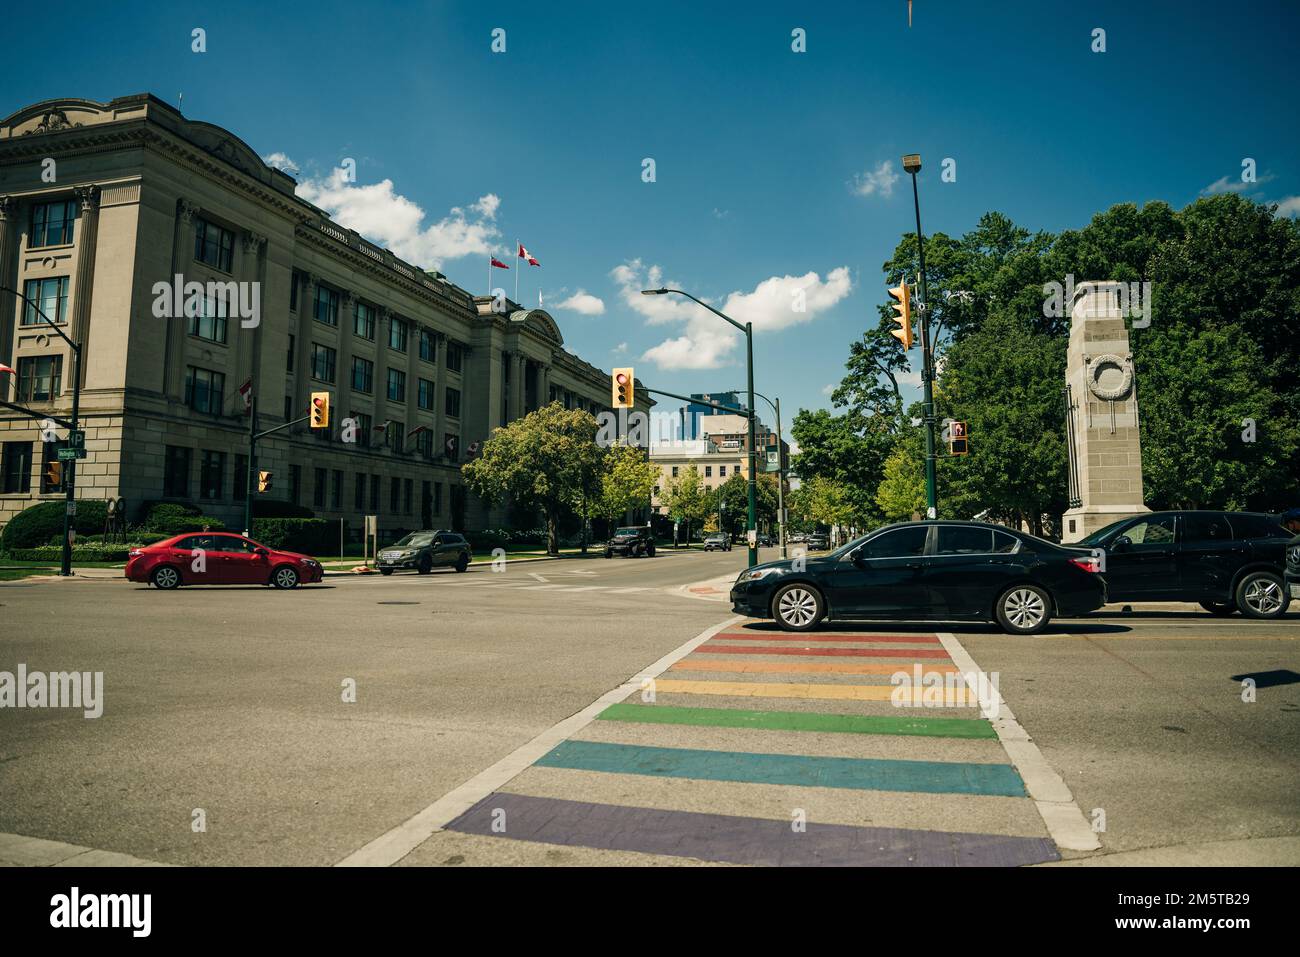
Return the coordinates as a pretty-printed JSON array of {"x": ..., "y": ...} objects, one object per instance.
[{"x": 388, "y": 556}]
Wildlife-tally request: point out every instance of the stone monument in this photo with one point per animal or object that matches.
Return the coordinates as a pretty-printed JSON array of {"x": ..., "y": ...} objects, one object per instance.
[{"x": 1102, "y": 428}]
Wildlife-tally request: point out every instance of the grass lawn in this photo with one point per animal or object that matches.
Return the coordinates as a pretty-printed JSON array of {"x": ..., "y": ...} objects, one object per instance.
[{"x": 12, "y": 569}]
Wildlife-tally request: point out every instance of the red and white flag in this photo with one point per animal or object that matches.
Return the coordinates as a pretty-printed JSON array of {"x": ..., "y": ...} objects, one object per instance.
[
  {"x": 246, "y": 393},
  {"x": 9, "y": 369},
  {"x": 498, "y": 263},
  {"x": 525, "y": 254}
]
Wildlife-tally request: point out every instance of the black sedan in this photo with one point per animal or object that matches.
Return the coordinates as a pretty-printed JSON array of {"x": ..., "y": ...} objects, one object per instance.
[{"x": 933, "y": 571}]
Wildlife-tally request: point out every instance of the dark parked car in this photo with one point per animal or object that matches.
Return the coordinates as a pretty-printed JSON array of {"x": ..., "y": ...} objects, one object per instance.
[
  {"x": 944, "y": 571},
  {"x": 718, "y": 541},
  {"x": 764, "y": 541},
  {"x": 1293, "y": 568},
  {"x": 218, "y": 558},
  {"x": 1225, "y": 561},
  {"x": 424, "y": 551},
  {"x": 633, "y": 541},
  {"x": 818, "y": 542}
]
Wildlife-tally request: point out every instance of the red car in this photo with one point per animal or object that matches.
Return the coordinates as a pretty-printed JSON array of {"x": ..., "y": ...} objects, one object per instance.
[{"x": 219, "y": 558}]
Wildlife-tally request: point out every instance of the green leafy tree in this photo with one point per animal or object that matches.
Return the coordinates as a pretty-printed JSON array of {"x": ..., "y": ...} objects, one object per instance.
[
  {"x": 686, "y": 499},
  {"x": 731, "y": 498},
  {"x": 540, "y": 461},
  {"x": 626, "y": 481}
]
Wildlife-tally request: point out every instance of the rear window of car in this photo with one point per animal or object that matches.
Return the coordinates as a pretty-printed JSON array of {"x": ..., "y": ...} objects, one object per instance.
[
  {"x": 1256, "y": 526},
  {"x": 1202, "y": 528},
  {"x": 451, "y": 539},
  {"x": 964, "y": 540}
]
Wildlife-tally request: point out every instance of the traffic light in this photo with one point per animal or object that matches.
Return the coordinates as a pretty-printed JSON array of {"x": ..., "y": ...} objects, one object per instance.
[
  {"x": 624, "y": 385},
  {"x": 320, "y": 410},
  {"x": 263, "y": 481},
  {"x": 957, "y": 439},
  {"x": 904, "y": 317},
  {"x": 54, "y": 476}
]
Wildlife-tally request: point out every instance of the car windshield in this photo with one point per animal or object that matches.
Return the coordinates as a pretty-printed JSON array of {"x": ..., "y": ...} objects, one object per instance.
[
  {"x": 1096, "y": 537},
  {"x": 627, "y": 531},
  {"x": 414, "y": 540}
]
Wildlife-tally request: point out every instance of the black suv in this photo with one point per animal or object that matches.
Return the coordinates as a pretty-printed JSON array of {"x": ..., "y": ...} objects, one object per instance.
[
  {"x": 1293, "y": 567},
  {"x": 425, "y": 551},
  {"x": 633, "y": 541},
  {"x": 1225, "y": 561}
]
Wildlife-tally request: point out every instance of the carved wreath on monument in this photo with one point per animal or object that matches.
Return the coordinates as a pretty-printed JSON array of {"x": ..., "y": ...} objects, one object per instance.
[{"x": 1110, "y": 376}]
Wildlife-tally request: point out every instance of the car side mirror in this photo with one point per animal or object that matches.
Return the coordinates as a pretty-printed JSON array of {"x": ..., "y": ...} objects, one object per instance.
[
  {"x": 1121, "y": 544},
  {"x": 260, "y": 552}
]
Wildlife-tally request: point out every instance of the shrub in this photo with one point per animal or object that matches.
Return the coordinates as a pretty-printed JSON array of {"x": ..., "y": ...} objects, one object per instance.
[
  {"x": 38, "y": 524},
  {"x": 487, "y": 539},
  {"x": 313, "y": 536},
  {"x": 170, "y": 525},
  {"x": 133, "y": 536},
  {"x": 89, "y": 552},
  {"x": 159, "y": 511}
]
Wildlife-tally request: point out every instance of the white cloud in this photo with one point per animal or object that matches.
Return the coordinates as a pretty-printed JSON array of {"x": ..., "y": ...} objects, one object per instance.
[
  {"x": 584, "y": 303},
  {"x": 706, "y": 341},
  {"x": 828, "y": 389},
  {"x": 1288, "y": 206},
  {"x": 877, "y": 182},
  {"x": 383, "y": 216},
  {"x": 281, "y": 162},
  {"x": 1233, "y": 184},
  {"x": 620, "y": 349}
]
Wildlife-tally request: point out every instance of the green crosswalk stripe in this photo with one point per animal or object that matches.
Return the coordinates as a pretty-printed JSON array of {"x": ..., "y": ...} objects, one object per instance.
[{"x": 800, "y": 721}]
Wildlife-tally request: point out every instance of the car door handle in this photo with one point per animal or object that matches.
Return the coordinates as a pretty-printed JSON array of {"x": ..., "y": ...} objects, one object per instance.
[{"x": 914, "y": 565}]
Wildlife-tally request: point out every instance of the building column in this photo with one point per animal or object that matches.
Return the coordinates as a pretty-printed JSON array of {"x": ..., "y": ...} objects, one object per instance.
[
  {"x": 518, "y": 384},
  {"x": 302, "y": 361},
  {"x": 543, "y": 385},
  {"x": 182, "y": 254},
  {"x": 248, "y": 346},
  {"x": 8, "y": 302},
  {"x": 84, "y": 278},
  {"x": 440, "y": 398}
]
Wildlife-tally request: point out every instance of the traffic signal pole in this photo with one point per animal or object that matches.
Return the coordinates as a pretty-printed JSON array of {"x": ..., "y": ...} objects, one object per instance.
[
  {"x": 927, "y": 357},
  {"x": 253, "y": 436}
]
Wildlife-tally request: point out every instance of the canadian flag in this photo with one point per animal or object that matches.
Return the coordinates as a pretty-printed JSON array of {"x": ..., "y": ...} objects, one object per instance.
[
  {"x": 498, "y": 263},
  {"x": 246, "y": 393},
  {"x": 9, "y": 369},
  {"x": 525, "y": 254}
]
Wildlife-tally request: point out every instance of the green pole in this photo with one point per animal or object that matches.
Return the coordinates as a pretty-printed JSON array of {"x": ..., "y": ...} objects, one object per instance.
[
  {"x": 753, "y": 478},
  {"x": 927, "y": 367}
]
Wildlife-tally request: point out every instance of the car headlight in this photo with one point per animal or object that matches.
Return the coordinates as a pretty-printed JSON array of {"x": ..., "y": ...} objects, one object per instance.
[{"x": 758, "y": 574}]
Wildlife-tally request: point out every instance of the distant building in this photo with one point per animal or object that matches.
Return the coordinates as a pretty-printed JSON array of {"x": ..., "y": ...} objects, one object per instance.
[{"x": 690, "y": 414}]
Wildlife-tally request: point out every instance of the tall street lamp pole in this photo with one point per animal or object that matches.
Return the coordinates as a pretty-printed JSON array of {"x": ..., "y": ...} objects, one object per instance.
[
  {"x": 69, "y": 466},
  {"x": 780, "y": 472},
  {"x": 912, "y": 164},
  {"x": 748, "y": 330}
]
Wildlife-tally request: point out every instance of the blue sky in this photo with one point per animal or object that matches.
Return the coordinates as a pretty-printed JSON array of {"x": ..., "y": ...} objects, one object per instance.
[{"x": 768, "y": 163}]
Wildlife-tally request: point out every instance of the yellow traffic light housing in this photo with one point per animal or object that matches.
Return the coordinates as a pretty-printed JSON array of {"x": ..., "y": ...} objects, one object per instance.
[
  {"x": 904, "y": 317},
  {"x": 54, "y": 476},
  {"x": 320, "y": 410},
  {"x": 958, "y": 439},
  {"x": 623, "y": 384},
  {"x": 264, "y": 481}
]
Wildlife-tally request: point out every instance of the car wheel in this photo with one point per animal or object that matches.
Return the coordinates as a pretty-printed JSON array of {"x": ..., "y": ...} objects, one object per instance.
[
  {"x": 425, "y": 566},
  {"x": 385, "y": 571},
  {"x": 798, "y": 607},
  {"x": 608, "y": 553},
  {"x": 462, "y": 563},
  {"x": 285, "y": 577},
  {"x": 1262, "y": 595},
  {"x": 650, "y": 551},
  {"x": 1220, "y": 608},
  {"x": 165, "y": 577},
  {"x": 634, "y": 551},
  {"x": 1024, "y": 610}
]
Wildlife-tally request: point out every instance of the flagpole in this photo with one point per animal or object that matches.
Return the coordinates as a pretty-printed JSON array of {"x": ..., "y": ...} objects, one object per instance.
[{"x": 517, "y": 270}]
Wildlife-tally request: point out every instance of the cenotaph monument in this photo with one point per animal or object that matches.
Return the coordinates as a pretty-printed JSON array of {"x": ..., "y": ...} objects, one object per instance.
[{"x": 1102, "y": 427}]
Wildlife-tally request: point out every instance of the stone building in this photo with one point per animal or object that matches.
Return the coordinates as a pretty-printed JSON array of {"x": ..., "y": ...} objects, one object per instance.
[{"x": 99, "y": 203}]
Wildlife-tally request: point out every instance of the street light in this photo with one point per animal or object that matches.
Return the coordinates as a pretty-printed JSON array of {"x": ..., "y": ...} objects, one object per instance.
[
  {"x": 70, "y": 475},
  {"x": 912, "y": 165},
  {"x": 780, "y": 472},
  {"x": 748, "y": 330}
]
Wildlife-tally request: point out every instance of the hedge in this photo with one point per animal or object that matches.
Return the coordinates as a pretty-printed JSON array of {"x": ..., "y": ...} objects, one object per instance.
[
  {"x": 180, "y": 524},
  {"x": 93, "y": 552},
  {"x": 38, "y": 524},
  {"x": 312, "y": 536}
]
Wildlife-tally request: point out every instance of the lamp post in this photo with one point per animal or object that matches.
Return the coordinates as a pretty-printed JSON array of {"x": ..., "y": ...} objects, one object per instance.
[
  {"x": 70, "y": 466},
  {"x": 780, "y": 472},
  {"x": 912, "y": 165},
  {"x": 748, "y": 330}
]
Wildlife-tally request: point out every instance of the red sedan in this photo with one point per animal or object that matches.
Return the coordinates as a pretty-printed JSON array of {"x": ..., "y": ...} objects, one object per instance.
[{"x": 219, "y": 558}]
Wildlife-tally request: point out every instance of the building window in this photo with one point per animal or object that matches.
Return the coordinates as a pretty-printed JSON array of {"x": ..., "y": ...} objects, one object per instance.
[
  {"x": 336, "y": 491},
  {"x": 213, "y": 245},
  {"x": 204, "y": 390},
  {"x": 295, "y": 484},
  {"x": 722, "y": 471},
  {"x": 239, "y": 488},
  {"x": 16, "y": 461},
  {"x": 363, "y": 375},
  {"x": 408, "y": 496},
  {"x": 322, "y": 362},
  {"x": 50, "y": 296},
  {"x": 455, "y": 356},
  {"x": 288, "y": 367},
  {"x": 437, "y": 498},
  {"x": 294, "y": 279},
  {"x": 318, "y": 488},
  {"x": 451, "y": 445},
  {"x": 176, "y": 472},
  {"x": 675, "y": 471},
  {"x": 396, "y": 385},
  {"x": 552, "y": 393},
  {"x": 424, "y": 395},
  {"x": 396, "y": 434},
  {"x": 374, "y": 494},
  {"x": 52, "y": 224},
  {"x": 453, "y": 402},
  {"x": 363, "y": 323},
  {"x": 395, "y": 495},
  {"x": 212, "y": 474},
  {"x": 397, "y": 334},
  {"x": 208, "y": 321},
  {"x": 424, "y": 443},
  {"x": 359, "y": 499},
  {"x": 40, "y": 378},
  {"x": 428, "y": 346},
  {"x": 708, "y": 471},
  {"x": 364, "y": 427},
  {"x": 288, "y": 407},
  {"x": 327, "y": 306}
]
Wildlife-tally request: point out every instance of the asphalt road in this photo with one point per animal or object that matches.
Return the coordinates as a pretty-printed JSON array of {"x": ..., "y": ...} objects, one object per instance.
[{"x": 230, "y": 700}]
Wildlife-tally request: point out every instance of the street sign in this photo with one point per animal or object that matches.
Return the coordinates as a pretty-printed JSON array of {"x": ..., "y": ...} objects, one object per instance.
[
  {"x": 72, "y": 507},
  {"x": 77, "y": 438},
  {"x": 67, "y": 455},
  {"x": 773, "y": 462}
]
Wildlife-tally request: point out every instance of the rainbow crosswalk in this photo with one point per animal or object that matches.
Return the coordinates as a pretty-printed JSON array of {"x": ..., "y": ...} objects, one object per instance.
[{"x": 766, "y": 748}]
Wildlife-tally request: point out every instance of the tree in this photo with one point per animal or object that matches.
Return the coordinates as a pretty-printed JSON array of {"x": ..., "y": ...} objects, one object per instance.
[
  {"x": 542, "y": 461},
  {"x": 732, "y": 498},
  {"x": 902, "y": 491},
  {"x": 686, "y": 499},
  {"x": 626, "y": 481},
  {"x": 824, "y": 501}
]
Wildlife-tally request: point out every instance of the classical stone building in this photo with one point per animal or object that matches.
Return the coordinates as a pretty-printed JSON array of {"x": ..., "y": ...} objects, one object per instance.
[{"x": 101, "y": 202}]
